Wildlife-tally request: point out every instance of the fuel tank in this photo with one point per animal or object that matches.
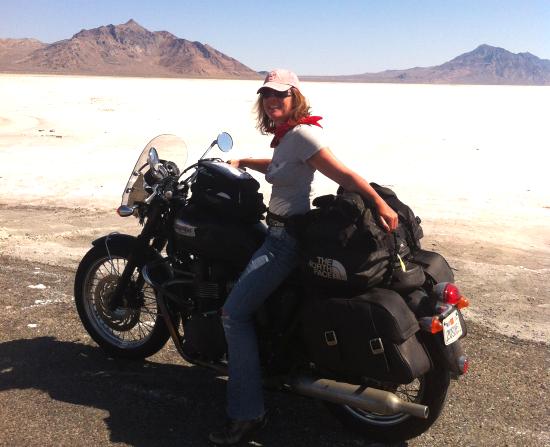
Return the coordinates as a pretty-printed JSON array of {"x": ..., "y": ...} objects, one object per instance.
[{"x": 216, "y": 238}]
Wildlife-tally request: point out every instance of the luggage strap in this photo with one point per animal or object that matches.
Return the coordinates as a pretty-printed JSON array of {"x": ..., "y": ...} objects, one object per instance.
[
  {"x": 377, "y": 346},
  {"x": 330, "y": 340}
]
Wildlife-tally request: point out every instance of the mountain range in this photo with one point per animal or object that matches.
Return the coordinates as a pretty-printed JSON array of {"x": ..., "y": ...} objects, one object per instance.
[
  {"x": 484, "y": 65},
  {"x": 130, "y": 49},
  {"x": 120, "y": 50}
]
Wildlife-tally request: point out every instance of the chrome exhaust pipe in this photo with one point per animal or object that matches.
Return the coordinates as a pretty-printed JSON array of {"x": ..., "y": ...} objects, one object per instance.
[{"x": 368, "y": 399}]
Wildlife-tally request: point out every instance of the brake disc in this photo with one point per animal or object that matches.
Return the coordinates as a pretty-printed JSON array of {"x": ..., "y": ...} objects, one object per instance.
[{"x": 121, "y": 318}]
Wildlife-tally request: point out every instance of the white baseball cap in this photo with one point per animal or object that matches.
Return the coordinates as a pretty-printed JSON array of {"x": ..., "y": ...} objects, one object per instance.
[{"x": 280, "y": 80}]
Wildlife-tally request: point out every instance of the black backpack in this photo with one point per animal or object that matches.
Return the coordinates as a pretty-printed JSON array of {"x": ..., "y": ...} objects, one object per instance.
[
  {"x": 347, "y": 251},
  {"x": 344, "y": 247},
  {"x": 409, "y": 222}
]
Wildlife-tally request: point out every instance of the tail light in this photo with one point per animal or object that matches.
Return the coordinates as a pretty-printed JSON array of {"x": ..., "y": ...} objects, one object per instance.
[
  {"x": 431, "y": 324},
  {"x": 448, "y": 293}
]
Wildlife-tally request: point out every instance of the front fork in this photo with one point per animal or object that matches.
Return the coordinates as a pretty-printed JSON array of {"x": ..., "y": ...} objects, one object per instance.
[{"x": 122, "y": 295}]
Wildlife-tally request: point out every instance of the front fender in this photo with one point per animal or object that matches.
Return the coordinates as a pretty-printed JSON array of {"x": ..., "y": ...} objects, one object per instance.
[
  {"x": 128, "y": 242},
  {"x": 142, "y": 254},
  {"x": 117, "y": 239}
]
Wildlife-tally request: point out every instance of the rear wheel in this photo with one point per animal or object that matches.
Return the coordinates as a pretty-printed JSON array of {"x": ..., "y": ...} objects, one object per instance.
[
  {"x": 430, "y": 389},
  {"x": 134, "y": 330}
]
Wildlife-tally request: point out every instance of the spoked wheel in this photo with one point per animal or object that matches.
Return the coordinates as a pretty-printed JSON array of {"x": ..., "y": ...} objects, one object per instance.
[
  {"x": 134, "y": 329},
  {"x": 430, "y": 390}
]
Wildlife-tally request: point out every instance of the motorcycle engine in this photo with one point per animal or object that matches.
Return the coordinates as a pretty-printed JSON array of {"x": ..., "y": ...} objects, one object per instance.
[{"x": 203, "y": 331}]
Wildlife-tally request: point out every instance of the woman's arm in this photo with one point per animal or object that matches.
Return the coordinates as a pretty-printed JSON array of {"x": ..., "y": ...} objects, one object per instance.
[
  {"x": 258, "y": 164},
  {"x": 326, "y": 163}
]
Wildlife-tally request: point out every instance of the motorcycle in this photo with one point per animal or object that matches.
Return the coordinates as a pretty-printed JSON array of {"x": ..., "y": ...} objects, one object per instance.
[{"x": 201, "y": 225}]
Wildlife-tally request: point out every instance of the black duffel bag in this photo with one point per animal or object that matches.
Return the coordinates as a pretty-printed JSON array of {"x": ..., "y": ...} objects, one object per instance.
[{"x": 371, "y": 335}]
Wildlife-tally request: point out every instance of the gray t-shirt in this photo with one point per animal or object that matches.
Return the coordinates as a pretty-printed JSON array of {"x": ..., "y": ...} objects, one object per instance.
[{"x": 289, "y": 172}]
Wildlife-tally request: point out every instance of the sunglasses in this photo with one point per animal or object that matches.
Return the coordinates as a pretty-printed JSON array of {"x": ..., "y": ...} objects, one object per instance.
[{"x": 269, "y": 93}]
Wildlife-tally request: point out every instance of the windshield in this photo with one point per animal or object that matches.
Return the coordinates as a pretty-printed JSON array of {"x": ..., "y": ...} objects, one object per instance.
[{"x": 169, "y": 148}]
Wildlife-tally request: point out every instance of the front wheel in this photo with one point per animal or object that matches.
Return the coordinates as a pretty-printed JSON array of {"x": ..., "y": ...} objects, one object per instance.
[
  {"x": 135, "y": 330},
  {"x": 430, "y": 389}
]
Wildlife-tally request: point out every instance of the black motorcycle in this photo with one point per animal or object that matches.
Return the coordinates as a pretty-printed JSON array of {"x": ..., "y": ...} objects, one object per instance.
[{"x": 380, "y": 358}]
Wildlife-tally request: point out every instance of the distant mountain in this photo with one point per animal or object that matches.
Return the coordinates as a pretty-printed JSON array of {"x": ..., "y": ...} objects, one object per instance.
[
  {"x": 484, "y": 65},
  {"x": 123, "y": 50},
  {"x": 131, "y": 50},
  {"x": 12, "y": 50}
]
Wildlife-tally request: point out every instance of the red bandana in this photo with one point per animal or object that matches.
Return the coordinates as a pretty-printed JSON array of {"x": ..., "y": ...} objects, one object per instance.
[{"x": 282, "y": 129}]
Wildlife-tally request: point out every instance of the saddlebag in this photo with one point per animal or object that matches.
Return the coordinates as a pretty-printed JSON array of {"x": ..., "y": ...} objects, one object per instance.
[
  {"x": 230, "y": 193},
  {"x": 372, "y": 335}
]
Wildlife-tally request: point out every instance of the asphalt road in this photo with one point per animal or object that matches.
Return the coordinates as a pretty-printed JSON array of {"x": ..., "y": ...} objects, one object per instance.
[{"x": 58, "y": 389}]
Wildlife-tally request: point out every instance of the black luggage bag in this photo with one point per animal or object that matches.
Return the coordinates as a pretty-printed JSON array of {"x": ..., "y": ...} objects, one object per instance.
[
  {"x": 434, "y": 266},
  {"x": 371, "y": 335},
  {"x": 346, "y": 250},
  {"x": 228, "y": 192}
]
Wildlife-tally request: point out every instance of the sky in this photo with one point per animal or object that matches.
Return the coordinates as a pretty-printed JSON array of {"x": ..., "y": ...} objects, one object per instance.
[{"x": 320, "y": 37}]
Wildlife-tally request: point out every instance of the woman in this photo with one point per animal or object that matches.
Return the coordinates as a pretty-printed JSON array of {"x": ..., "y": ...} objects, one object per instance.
[{"x": 299, "y": 150}]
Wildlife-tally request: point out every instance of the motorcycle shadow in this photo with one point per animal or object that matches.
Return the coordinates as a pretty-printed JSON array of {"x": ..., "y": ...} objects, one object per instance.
[{"x": 157, "y": 404}]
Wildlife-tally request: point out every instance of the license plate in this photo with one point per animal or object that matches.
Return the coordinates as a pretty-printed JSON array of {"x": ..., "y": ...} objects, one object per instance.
[{"x": 452, "y": 329}]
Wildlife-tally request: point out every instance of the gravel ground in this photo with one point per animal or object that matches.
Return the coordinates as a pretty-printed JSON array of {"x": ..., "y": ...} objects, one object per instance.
[{"x": 58, "y": 388}]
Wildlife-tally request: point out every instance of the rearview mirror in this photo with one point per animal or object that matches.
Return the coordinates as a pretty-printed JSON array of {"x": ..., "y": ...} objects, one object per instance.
[
  {"x": 224, "y": 142},
  {"x": 156, "y": 168},
  {"x": 153, "y": 158}
]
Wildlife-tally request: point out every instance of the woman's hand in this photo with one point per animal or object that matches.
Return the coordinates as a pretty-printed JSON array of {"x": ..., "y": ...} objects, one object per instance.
[
  {"x": 388, "y": 217},
  {"x": 258, "y": 164},
  {"x": 234, "y": 163}
]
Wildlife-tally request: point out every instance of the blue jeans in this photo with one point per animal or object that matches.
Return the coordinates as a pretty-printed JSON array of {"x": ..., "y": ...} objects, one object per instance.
[{"x": 267, "y": 269}]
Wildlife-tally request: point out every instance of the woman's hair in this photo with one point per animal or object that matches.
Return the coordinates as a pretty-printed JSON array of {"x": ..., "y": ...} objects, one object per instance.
[{"x": 300, "y": 109}]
